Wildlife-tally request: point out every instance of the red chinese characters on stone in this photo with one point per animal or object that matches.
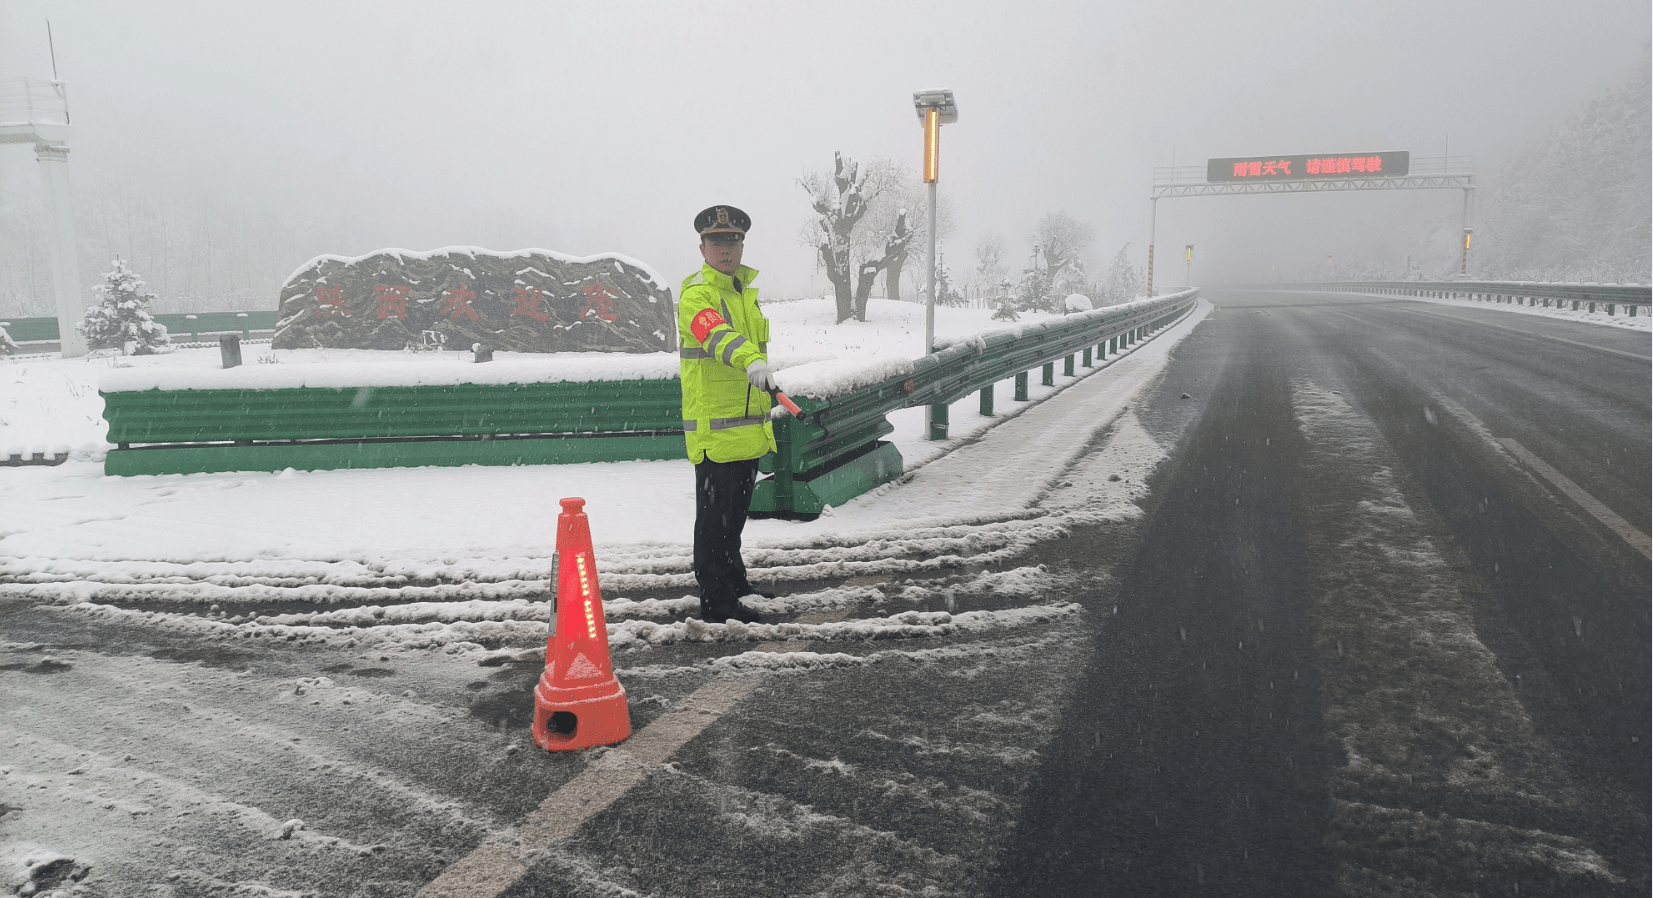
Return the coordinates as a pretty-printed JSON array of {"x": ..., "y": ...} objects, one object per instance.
[
  {"x": 392, "y": 301},
  {"x": 599, "y": 300},
  {"x": 530, "y": 302},
  {"x": 330, "y": 300},
  {"x": 458, "y": 302}
]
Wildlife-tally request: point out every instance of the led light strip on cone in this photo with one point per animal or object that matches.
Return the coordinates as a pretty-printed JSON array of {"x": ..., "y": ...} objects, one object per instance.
[{"x": 579, "y": 703}]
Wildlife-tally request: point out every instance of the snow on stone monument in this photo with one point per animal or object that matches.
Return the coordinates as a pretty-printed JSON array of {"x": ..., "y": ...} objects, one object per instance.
[{"x": 525, "y": 301}]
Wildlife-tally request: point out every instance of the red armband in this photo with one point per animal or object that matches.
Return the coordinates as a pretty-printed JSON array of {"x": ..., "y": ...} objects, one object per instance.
[{"x": 703, "y": 323}]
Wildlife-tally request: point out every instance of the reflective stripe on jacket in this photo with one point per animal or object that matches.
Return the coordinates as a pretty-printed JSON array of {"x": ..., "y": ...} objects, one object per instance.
[{"x": 720, "y": 332}]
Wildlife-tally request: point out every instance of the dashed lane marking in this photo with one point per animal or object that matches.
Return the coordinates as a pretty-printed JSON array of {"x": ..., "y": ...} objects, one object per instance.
[
  {"x": 1637, "y": 539},
  {"x": 496, "y": 866}
]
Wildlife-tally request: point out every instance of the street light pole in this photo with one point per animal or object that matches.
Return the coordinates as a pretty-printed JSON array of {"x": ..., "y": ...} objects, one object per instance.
[
  {"x": 935, "y": 108},
  {"x": 1153, "y": 220},
  {"x": 930, "y": 301}
]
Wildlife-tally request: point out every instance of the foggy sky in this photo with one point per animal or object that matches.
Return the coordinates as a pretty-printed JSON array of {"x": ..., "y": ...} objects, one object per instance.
[{"x": 604, "y": 126}]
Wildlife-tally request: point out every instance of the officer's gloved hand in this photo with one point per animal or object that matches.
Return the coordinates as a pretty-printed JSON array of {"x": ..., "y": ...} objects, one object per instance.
[{"x": 760, "y": 375}]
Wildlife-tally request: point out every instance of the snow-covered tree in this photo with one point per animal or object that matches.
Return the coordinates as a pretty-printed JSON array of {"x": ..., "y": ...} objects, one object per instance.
[
  {"x": 1574, "y": 206},
  {"x": 909, "y": 195},
  {"x": 1033, "y": 290},
  {"x": 852, "y": 245},
  {"x": 1063, "y": 238},
  {"x": 946, "y": 295},
  {"x": 991, "y": 269},
  {"x": 7, "y": 347},
  {"x": 1122, "y": 281},
  {"x": 121, "y": 319}
]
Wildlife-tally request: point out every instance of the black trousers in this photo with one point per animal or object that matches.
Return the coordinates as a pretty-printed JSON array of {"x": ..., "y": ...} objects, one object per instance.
[{"x": 723, "y": 495}]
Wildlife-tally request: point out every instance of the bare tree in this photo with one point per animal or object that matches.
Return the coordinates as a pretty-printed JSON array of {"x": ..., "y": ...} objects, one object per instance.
[
  {"x": 911, "y": 196},
  {"x": 853, "y": 246},
  {"x": 990, "y": 270},
  {"x": 1063, "y": 239}
]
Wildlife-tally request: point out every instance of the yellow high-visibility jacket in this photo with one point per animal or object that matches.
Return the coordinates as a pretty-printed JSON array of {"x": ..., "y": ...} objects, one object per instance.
[{"x": 720, "y": 332}]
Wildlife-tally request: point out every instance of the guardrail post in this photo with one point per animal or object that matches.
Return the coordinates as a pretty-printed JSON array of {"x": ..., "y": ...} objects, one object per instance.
[
  {"x": 1048, "y": 376},
  {"x": 987, "y": 401},
  {"x": 1067, "y": 366},
  {"x": 785, "y": 455},
  {"x": 1086, "y": 359},
  {"x": 1113, "y": 345},
  {"x": 938, "y": 421},
  {"x": 1021, "y": 387}
]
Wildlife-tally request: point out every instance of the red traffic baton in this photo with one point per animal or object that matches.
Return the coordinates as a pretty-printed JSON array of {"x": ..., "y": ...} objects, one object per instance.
[{"x": 787, "y": 403}]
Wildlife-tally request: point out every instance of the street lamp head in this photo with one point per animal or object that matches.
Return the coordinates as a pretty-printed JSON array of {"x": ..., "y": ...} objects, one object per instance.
[{"x": 939, "y": 100}]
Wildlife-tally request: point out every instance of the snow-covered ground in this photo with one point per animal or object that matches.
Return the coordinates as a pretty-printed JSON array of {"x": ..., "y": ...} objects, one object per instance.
[{"x": 74, "y": 525}]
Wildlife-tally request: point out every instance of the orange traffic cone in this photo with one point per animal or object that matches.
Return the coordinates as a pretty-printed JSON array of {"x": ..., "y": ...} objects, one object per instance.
[{"x": 578, "y": 702}]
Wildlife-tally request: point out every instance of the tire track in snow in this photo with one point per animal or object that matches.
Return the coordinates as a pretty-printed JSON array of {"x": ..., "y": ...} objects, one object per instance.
[{"x": 1425, "y": 721}]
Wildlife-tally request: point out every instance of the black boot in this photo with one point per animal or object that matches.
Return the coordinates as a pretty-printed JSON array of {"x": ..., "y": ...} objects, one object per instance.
[{"x": 731, "y": 609}]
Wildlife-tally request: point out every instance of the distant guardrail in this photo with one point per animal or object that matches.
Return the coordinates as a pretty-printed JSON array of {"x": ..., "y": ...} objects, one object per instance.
[
  {"x": 43, "y": 330},
  {"x": 1633, "y": 300}
]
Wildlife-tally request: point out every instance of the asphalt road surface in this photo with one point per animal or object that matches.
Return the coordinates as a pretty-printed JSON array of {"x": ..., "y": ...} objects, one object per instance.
[
  {"x": 1359, "y": 645},
  {"x": 1379, "y": 627}
]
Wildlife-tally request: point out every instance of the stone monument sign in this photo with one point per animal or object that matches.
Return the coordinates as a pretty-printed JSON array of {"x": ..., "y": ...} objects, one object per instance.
[{"x": 527, "y": 301}]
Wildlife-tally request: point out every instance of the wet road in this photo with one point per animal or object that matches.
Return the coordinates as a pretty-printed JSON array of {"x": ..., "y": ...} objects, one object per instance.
[{"x": 1358, "y": 643}]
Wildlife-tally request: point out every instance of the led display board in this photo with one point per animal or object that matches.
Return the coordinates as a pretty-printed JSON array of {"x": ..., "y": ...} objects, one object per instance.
[{"x": 1303, "y": 168}]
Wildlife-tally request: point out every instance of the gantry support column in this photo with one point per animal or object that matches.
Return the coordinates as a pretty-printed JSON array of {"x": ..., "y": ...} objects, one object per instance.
[{"x": 60, "y": 218}]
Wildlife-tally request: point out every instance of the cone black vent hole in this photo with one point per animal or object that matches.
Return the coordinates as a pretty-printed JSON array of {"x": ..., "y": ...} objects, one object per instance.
[{"x": 562, "y": 723}]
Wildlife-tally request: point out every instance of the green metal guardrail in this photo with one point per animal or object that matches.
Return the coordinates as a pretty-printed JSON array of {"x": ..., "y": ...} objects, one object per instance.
[
  {"x": 834, "y": 452},
  {"x": 380, "y": 427},
  {"x": 1631, "y": 298},
  {"x": 37, "y": 330}
]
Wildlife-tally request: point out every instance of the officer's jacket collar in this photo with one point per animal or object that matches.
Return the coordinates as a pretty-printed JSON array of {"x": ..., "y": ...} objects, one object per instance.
[{"x": 722, "y": 281}]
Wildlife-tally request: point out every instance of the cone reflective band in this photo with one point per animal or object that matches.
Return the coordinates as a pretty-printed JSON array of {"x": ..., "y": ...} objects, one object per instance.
[
  {"x": 932, "y": 143},
  {"x": 579, "y": 703}
]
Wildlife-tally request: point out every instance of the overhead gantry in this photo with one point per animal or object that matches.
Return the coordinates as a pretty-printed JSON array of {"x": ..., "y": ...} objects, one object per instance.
[{"x": 1306, "y": 174}]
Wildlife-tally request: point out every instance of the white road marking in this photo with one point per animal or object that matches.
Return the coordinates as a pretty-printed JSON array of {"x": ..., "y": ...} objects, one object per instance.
[
  {"x": 1637, "y": 539},
  {"x": 494, "y": 867}
]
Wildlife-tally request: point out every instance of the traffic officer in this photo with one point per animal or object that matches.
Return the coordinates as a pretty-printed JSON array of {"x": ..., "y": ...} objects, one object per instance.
[{"x": 727, "y": 381}]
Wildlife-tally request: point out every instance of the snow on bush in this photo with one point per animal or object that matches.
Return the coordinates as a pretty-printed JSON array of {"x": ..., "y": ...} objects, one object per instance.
[{"x": 121, "y": 319}]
